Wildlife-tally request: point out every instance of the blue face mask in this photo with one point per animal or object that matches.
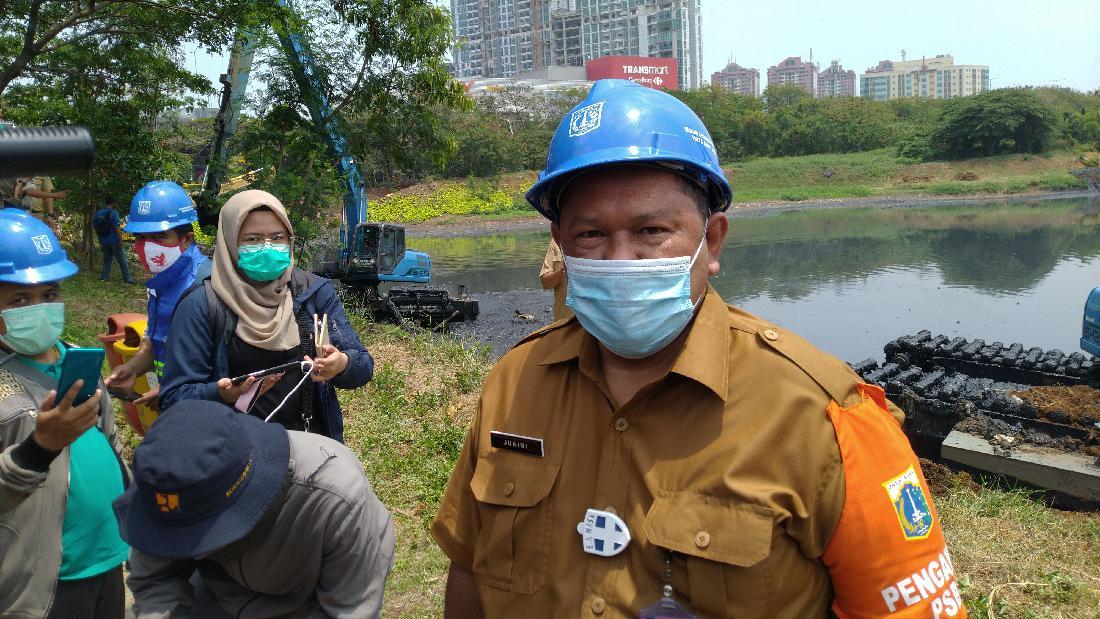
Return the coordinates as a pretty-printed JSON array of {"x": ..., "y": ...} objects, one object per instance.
[{"x": 633, "y": 307}]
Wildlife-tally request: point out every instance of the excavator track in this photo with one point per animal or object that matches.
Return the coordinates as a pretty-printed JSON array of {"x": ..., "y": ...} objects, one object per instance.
[{"x": 962, "y": 401}]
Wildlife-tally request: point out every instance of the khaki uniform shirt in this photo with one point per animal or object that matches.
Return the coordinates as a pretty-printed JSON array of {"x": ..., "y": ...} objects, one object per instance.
[
  {"x": 553, "y": 261},
  {"x": 729, "y": 461}
]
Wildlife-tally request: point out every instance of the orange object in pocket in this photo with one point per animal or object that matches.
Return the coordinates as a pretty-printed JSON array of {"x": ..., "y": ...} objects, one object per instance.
[{"x": 887, "y": 557}]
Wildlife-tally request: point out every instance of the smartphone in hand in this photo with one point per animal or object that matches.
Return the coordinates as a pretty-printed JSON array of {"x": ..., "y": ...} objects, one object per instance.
[{"x": 80, "y": 363}]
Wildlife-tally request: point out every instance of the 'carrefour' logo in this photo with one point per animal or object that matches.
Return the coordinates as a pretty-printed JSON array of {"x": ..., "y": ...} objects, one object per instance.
[
  {"x": 910, "y": 504},
  {"x": 144, "y": 206},
  {"x": 42, "y": 244},
  {"x": 585, "y": 120}
]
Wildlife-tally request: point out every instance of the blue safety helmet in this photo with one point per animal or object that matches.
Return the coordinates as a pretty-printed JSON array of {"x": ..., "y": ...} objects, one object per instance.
[
  {"x": 30, "y": 253},
  {"x": 160, "y": 206},
  {"x": 623, "y": 122}
]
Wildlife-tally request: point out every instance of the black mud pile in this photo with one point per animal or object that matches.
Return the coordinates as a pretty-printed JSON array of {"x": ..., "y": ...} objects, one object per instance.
[{"x": 506, "y": 317}]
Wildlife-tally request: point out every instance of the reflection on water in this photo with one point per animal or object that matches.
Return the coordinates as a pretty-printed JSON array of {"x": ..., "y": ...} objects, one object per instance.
[{"x": 850, "y": 279}]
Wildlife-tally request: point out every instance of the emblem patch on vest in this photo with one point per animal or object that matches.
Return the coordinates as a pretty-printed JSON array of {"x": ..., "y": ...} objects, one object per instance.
[
  {"x": 910, "y": 504},
  {"x": 586, "y": 120}
]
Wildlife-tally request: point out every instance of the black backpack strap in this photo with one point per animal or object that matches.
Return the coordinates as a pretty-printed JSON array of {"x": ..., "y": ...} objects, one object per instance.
[
  {"x": 307, "y": 347},
  {"x": 216, "y": 309}
]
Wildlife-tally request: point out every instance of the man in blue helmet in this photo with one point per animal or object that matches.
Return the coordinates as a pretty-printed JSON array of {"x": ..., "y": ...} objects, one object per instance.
[
  {"x": 60, "y": 464},
  {"x": 161, "y": 215},
  {"x": 664, "y": 454}
]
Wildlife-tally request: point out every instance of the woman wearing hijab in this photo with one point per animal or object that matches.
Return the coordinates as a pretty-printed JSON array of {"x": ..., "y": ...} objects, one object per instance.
[{"x": 257, "y": 312}]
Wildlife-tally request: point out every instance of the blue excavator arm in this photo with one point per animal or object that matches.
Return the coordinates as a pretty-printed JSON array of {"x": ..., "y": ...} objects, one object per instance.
[{"x": 369, "y": 253}]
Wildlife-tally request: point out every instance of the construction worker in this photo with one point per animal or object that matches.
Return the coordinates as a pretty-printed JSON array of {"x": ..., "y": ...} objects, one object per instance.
[
  {"x": 665, "y": 454},
  {"x": 60, "y": 464},
  {"x": 161, "y": 215},
  {"x": 233, "y": 517}
]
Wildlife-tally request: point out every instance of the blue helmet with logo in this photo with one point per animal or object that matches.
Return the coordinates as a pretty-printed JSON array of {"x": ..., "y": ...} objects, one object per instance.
[
  {"x": 623, "y": 122},
  {"x": 30, "y": 253},
  {"x": 160, "y": 206}
]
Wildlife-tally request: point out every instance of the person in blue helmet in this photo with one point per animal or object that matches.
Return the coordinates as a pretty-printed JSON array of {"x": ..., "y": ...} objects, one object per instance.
[
  {"x": 161, "y": 218},
  {"x": 60, "y": 465},
  {"x": 665, "y": 454}
]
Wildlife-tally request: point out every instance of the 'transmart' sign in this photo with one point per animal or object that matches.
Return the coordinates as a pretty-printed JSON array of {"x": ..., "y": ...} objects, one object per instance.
[{"x": 653, "y": 72}]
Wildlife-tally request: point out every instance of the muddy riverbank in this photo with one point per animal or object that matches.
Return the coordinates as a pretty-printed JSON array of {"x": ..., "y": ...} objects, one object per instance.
[{"x": 506, "y": 318}]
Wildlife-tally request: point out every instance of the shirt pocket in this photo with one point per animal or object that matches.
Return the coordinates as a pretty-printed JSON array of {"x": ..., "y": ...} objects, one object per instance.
[
  {"x": 726, "y": 546},
  {"x": 511, "y": 491}
]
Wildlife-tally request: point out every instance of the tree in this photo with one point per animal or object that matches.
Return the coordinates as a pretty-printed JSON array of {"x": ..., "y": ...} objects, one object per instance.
[
  {"x": 33, "y": 32},
  {"x": 993, "y": 123},
  {"x": 783, "y": 96},
  {"x": 117, "y": 87},
  {"x": 379, "y": 66}
]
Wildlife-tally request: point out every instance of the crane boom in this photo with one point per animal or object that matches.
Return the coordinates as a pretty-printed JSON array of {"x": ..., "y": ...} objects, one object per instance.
[
  {"x": 234, "y": 83},
  {"x": 320, "y": 111}
]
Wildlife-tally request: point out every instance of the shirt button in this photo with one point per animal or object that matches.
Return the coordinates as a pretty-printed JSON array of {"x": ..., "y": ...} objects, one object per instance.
[
  {"x": 509, "y": 488},
  {"x": 598, "y": 606},
  {"x": 621, "y": 424},
  {"x": 771, "y": 334},
  {"x": 702, "y": 539}
]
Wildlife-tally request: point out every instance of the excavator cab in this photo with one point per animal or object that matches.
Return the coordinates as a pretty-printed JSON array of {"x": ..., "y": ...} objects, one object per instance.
[{"x": 379, "y": 255}]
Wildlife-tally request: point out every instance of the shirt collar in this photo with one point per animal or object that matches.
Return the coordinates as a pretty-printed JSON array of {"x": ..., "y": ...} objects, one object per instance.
[{"x": 704, "y": 358}]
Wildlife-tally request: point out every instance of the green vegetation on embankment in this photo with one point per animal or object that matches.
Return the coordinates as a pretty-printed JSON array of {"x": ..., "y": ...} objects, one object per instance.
[
  {"x": 779, "y": 179},
  {"x": 1014, "y": 556}
]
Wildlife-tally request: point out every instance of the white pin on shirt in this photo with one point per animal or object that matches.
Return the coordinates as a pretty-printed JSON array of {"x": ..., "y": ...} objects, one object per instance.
[{"x": 602, "y": 533}]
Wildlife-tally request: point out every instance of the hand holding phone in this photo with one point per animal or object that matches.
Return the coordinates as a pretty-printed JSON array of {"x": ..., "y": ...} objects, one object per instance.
[
  {"x": 81, "y": 364},
  {"x": 61, "y": 422}
]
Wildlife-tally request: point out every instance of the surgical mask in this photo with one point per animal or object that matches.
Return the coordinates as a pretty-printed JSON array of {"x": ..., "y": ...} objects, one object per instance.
[
  {"x": 633, "y": 307},
  {"x": 263, "y": 263},
  {"x": 33, "y": 329},
  {"x": 155, "y": 257}
]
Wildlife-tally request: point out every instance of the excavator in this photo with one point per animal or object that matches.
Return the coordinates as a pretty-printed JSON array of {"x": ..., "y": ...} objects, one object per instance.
[{"x": 367, "y": 254}]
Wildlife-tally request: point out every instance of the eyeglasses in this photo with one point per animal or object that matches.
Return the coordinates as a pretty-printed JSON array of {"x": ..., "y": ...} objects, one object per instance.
[{"x": 278, "y": 238}]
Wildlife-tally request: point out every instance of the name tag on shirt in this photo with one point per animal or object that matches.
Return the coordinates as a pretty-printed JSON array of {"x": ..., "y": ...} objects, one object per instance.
[{"x": 515, "y": 442}]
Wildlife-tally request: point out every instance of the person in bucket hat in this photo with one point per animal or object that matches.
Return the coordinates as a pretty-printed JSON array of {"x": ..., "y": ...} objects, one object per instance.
[{"x": 230, "y": 516}]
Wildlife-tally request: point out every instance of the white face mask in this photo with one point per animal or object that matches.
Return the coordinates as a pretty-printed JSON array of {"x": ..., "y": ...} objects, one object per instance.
[
  {"x": 157, "y": 258},
  {"x": 633, "y": 307}
]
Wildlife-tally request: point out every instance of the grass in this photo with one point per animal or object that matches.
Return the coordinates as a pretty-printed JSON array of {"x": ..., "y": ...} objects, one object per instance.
[
  {"x": 769, "y": 179},
  {"x": 1015, "y": 557}
]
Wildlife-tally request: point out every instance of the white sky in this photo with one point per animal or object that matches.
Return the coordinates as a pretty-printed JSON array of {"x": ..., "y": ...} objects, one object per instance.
[{"x": 1024, "y": 42}]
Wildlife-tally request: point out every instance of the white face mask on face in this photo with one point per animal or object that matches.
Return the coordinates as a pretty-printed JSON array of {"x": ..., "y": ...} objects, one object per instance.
[
  {"x": 157, "y": 258},
  {"x": 633, "y": 307}
]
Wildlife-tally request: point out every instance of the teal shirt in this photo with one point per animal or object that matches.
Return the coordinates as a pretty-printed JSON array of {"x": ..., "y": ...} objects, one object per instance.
[{"x": 90, "y": 543}]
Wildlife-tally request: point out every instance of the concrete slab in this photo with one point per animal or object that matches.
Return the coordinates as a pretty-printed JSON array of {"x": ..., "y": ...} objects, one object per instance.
[{"x": 1072, "y": 474}]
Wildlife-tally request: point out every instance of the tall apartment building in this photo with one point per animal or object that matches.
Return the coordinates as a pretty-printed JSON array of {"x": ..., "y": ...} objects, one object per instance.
[
  {"x": 738, "y": 79},
  {"x": 793, "y": 71},
  {"x": 927, "y": 78},
  {"x": 501, "y": 38},
  {"x": 834, "y": 81}
]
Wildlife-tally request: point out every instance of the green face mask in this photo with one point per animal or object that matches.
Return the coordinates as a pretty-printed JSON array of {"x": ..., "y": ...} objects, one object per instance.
[
  {"x": 33, "y": 329},
  {"x": 263, "y": 263}
]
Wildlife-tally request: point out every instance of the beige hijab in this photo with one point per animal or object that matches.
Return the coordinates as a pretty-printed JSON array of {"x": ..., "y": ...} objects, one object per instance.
[{"x": 265, "y": 314}]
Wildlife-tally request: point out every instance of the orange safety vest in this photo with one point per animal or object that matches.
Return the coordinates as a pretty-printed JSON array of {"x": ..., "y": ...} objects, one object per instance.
[{"x": 888, "y": 521}]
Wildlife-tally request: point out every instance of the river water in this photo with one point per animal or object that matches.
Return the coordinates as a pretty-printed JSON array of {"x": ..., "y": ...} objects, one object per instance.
[{"x": 850, "y": 279}]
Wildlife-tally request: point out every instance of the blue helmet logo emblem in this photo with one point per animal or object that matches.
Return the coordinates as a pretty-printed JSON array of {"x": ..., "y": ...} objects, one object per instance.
[
  {"x": 910, "y": 504},
  {"x": 42, "y": 244},
  {"x": 144, "y": 206},
  {"x": 585, "y": 120}
]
